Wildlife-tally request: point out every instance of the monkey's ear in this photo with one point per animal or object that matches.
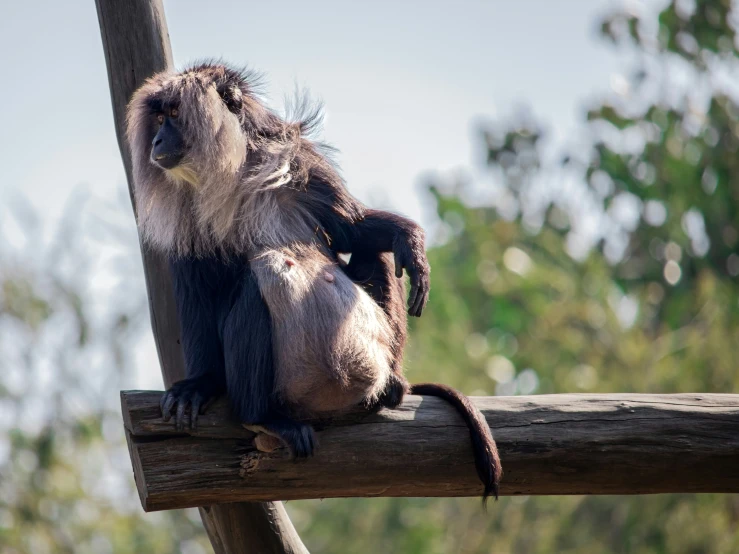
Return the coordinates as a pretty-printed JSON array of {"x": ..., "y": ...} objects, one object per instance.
[{"x": 232, "y": 96}]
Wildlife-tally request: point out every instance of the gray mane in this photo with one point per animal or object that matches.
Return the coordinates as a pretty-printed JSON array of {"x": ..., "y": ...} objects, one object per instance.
[{"x": 235, "y": 188}]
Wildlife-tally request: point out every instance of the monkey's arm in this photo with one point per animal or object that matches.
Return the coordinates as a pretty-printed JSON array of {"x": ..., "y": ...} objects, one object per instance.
[
  {"x": 250, "y": 374},
  {"x": 356, "y": 229},
  {"x": 197, "y": 308},
  {"x": 380, "y": 231}
]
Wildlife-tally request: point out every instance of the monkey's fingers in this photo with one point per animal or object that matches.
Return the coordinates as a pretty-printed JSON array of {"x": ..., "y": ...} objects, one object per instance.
[
  {"x": 205, "y": 405},
  {"x": 166, "y": 404},
  {"x": 195, "y": 411},
  {"x": 417, "y": 301},
  {"x": 419, "y": 289},
  {"x": 413, "y": 306},
  {"x": 413, "y": 297},
  {"x": 420, "y": 303},
  {"x": 398, "y": 263},
  {"x": 180, "y": 417},
  {"x": 305, "y": 446}
]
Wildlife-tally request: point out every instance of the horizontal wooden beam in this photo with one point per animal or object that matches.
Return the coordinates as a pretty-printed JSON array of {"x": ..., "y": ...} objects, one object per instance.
[{"x": 549, "y": 445}]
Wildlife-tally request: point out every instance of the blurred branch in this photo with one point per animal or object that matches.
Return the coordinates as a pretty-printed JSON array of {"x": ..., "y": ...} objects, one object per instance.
[{"x": 549, "y": 444}]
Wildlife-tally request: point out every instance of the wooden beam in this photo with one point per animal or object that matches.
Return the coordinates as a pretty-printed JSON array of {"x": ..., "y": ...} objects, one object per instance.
[
  {"x": 136, "y": 45},
  {"x": 549, "y": 445}
]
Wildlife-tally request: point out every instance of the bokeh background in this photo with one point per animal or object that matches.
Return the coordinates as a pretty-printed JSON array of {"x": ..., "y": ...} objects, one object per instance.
[{"x": 575, "y": 164}]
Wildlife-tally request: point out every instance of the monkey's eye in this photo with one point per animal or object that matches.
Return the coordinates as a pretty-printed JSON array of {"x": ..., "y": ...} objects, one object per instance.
[
  {"x": 174, "y": 112},
  {"x": 160, "y": 118}
]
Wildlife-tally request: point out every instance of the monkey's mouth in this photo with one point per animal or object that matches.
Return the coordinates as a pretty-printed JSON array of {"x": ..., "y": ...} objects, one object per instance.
[{"x": 168, "y": 160}]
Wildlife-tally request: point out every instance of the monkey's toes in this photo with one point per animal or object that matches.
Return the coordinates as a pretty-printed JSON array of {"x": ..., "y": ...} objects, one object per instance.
[
  {"x": 190, "y": 393},
  {"x": 302, "y": 442}
]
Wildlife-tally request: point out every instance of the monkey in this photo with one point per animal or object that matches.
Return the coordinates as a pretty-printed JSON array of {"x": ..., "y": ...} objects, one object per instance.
[{"x": 256, "y": 223}]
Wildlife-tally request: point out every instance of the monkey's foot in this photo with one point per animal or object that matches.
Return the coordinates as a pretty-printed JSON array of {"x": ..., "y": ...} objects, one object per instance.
[
  {"x": 195, "y": 393},
  {"x": 299, "y": 438},
  {"x": 394, "y": 392}
]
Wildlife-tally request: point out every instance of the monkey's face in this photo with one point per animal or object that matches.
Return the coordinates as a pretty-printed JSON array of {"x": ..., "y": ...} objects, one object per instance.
[
  {"x": 187, "y": 127},
  {"x": 168, "y": 145}
]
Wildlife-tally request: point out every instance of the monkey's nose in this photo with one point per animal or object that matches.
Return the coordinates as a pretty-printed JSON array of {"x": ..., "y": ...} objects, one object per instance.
[{"x": 157, "y": 141}]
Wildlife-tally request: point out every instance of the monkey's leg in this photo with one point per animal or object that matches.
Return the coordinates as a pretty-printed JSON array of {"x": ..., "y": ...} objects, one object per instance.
[
  {"x": 196, "y": 305},
  {"x": 373, "y": 271},
  {"x": 250, "y": 374}
]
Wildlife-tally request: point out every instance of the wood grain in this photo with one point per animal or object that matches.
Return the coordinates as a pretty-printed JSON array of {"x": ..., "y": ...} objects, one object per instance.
[
  {"x": 136, "y": 45},
  {"x": 549, "y": 445}
]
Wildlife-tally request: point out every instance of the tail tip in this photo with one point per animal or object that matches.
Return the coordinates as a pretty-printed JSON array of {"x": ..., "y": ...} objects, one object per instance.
[{"x": 491, "y": 489}]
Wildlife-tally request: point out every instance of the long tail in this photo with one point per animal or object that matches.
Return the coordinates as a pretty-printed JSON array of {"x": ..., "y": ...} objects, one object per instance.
[{"x": 484, "y": 449}]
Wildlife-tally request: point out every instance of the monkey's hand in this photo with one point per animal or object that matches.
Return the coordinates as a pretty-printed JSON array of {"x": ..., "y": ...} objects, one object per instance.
[
  {"x": 410, "y": 254},
  {"x": 197, "y": 393}
]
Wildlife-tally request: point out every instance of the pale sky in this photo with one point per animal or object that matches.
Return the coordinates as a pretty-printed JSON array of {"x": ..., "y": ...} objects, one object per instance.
[{"x": 403, "y": 84}]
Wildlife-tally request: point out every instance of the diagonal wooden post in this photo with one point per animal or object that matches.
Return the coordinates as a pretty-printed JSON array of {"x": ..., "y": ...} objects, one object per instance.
[{"x": 136, "y": 45}]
